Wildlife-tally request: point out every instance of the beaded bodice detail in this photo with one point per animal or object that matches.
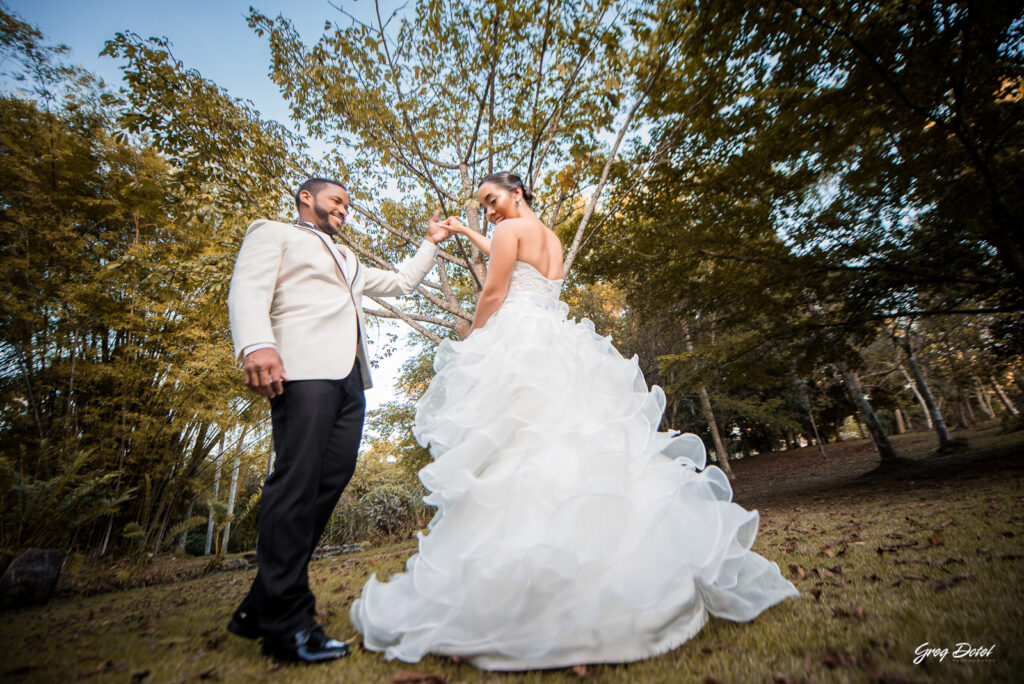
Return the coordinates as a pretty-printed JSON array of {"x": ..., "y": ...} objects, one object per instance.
[{"x": 526, "y": 278}]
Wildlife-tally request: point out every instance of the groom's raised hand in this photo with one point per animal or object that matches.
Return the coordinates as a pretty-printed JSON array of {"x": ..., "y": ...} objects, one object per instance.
[
  {"x": 264, "y": 372},
  {"x": 436, "y": 232}
]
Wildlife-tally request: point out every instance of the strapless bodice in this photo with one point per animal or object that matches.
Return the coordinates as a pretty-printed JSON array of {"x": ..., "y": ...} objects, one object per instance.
[{"x": 526, "y": 278}]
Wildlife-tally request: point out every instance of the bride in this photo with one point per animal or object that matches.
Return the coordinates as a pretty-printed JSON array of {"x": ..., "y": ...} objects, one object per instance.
[{"x": 569, "y": 530}]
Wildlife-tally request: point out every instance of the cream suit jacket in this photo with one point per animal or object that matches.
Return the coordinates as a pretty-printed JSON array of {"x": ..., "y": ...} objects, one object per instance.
[{"x": 286, "y": 290}]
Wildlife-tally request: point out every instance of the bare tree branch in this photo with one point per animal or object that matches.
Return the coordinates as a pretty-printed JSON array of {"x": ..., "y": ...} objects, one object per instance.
[
  {"x": 577, "y": 241},
  {"x": 408, "y": 320},
  {"x": 411, "y": 317}
]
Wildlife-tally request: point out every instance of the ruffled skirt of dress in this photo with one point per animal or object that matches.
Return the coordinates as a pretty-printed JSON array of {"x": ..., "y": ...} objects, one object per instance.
[{"x": 569, "y": 529}]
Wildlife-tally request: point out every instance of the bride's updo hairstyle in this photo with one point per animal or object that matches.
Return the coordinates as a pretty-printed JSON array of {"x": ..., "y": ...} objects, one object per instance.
[{"x": 509, "y": 181}]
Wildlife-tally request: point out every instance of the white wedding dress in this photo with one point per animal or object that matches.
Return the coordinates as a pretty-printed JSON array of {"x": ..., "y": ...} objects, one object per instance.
[{"x": 569, "y": 530}]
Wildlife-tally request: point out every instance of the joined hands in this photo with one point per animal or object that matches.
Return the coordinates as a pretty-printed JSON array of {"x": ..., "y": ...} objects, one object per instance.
[{"x": 439, "y": 231}]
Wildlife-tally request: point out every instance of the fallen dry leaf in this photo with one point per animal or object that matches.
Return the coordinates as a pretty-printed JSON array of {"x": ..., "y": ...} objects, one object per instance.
[
  {"x": 710, "y": 648},
  {"x": 105, "y": 666},
  {"x": 938, "y": 585},
  {"x": 214, "y": 641}
]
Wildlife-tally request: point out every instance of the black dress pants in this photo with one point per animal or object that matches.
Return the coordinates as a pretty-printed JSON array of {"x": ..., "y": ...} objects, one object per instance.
[{"x": 317, "y": 425}]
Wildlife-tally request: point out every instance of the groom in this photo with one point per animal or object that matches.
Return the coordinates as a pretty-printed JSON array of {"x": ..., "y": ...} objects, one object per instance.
[{"x": 295, "y": 306}]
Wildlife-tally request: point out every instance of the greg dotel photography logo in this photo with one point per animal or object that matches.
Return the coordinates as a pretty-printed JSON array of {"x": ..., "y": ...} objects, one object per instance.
[{"x": 961, "y": 651}]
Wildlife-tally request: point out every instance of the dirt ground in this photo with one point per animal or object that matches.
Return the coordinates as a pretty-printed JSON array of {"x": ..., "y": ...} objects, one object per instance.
[{"x": 850, "y": 470}]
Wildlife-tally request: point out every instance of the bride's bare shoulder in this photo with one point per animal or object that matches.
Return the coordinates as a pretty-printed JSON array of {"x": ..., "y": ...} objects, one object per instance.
[{"x": 515, "y": 225}]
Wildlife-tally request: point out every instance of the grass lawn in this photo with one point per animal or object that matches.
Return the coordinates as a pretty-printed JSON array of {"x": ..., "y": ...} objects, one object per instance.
[{"x": 884, "y": 563}]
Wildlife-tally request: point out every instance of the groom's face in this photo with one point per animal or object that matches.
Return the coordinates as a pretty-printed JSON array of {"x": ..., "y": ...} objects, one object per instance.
[{"x": 331, "y": 208}]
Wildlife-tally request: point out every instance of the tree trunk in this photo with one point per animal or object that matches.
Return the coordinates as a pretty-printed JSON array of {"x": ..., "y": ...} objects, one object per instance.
[
  {"x": 184, "y": 533},
  {"x": 901, "y": 428},
  {"x": 817, "y": 436},
  {"x": 709, "y": 415},
  {"x": 966, "y": 412},
  {"x": 163, "y": 528},
  {"x": 925, "y": 393},
  {"x": 213, "y": 500},
  {"x": 979, "y": 393},
  {"x": 106, "y": 536},
  {"x": 920, "y": 399},
  {"x": 231, "y": 496},
  {"x": 983, "y": 399},
  {"x": 1003, "y": 398},
  {"x": 881, "y": 440}
]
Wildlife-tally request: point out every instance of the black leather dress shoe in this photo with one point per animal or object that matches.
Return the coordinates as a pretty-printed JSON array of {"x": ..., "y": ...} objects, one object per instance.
[
  {"x": 306, "y": 646},
  {"x": 245, "y": 625}
]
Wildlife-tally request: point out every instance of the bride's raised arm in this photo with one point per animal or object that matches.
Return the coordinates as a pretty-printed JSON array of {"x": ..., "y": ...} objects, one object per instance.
[{"x": 481, "y": 241}]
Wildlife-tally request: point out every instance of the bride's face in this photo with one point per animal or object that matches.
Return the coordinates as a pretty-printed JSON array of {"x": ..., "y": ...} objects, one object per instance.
[{"x": 498, "y": 203}]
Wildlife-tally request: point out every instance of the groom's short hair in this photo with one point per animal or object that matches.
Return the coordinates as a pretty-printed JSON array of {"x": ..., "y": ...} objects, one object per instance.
[{"x": 314, "y": 185}]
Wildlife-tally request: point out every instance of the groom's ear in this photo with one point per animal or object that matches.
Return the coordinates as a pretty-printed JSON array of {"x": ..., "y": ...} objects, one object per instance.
[{"x": 306, "y": 197}]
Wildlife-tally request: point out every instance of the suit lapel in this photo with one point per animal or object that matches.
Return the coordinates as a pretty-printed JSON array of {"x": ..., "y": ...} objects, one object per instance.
[
  {"x": 351, "y": 264},
  {"x": 334, "y": 249}
]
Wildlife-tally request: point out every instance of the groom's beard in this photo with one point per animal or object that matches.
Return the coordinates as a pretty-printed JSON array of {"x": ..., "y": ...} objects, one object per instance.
[{"x": 324, "y": 220}]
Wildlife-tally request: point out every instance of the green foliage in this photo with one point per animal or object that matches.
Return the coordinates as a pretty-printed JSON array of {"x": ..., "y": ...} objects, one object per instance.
[
  {"x": 826, "y": 169},
  {"x": 52, "y": 512},
  {"x": 114, "y": 336},
  {"x": 388, "y": 509},
  {"x": 810, "y": 177}
]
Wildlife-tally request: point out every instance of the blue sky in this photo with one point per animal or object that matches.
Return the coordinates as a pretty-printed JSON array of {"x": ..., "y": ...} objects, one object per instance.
[
  {"x": 210, "y": 36},
  {"x": 213, "y": 38}
]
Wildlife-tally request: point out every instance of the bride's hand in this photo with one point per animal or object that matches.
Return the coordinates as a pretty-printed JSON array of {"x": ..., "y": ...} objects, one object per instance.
[{"x": 453, "y": 225}]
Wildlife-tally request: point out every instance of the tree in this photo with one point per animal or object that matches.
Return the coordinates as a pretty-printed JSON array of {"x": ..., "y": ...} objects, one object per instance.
[
  {"x": 819, "y": 161},
  {"x": 116, "y": 376},
  {"x": 428, "y": 104},
  {"x": 875, "y": 140}
]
